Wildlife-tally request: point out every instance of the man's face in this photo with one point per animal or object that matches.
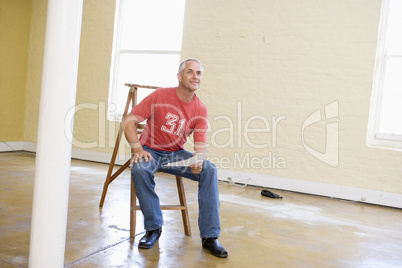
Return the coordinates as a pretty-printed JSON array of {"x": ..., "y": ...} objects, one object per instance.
[{"x": 191, "y": 78}]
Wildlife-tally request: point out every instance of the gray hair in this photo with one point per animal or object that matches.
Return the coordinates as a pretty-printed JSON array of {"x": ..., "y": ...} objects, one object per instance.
[{"x": 182, "y": 65}]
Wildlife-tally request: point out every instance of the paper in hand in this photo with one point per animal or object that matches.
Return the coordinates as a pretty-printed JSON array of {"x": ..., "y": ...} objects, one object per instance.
[{"x": 196, "y": 159}]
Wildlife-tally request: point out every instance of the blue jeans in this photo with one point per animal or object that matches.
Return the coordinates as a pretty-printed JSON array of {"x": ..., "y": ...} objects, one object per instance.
[{"x": 208, "y": 192}]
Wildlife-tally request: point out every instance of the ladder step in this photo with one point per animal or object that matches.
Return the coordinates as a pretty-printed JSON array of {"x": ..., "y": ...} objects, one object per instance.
[{"x": 168, "y": 207}]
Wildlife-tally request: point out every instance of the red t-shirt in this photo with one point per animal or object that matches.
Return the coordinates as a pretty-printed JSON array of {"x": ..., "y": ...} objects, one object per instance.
[{"x": 170, "y": 120}]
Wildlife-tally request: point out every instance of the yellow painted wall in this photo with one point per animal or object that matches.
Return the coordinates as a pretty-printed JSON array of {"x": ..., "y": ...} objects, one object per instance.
[
  {"x": 91, "y": 127},
  {"x": 15, "y": 21},
  {"x": 263, "y": 61},
  {"x": 93, "y": 74},
  {"x": 36, "y": 49}
]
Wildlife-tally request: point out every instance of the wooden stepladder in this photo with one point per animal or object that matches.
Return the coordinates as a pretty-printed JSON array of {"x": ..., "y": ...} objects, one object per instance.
[{"x": 110, "y": 177}]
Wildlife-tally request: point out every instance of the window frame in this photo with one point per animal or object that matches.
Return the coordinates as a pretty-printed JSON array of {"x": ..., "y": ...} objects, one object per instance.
[{"x": 375, "y": 138}]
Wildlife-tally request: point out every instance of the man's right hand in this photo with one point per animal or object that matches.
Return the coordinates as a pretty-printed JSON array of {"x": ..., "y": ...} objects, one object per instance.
[{"x": 139, "y": 155}]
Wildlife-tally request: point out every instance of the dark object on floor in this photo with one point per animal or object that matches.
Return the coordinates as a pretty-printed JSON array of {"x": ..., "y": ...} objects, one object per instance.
[{"x": 270, "y": 194}]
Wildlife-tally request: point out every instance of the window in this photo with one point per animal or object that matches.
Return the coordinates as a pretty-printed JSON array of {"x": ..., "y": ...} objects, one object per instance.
[
  {"x": 147, "y": 46},
  {"x": 385, "y": 125}
]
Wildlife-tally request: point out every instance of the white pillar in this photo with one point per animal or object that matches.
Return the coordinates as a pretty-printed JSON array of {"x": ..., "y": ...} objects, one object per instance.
[{"x": 53, "y": 154}]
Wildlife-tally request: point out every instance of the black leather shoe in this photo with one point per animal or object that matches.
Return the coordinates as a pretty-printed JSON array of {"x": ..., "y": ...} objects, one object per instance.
[
  {"x": 213, "y": 245},
  {"x": 150, "y": 238}
]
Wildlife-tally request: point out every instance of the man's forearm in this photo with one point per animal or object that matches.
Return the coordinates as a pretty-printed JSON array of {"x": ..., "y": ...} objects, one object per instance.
[
  {"x": 134, "y": 142},
  {"x": 130, "y": 131},
  {"x": 200, "y": 147}
]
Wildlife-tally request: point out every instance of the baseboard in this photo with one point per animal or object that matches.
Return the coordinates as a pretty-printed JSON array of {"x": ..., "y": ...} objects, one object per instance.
[
  {"x": 238, "y": 177},
  {"x": 95, "y": 156},
  {"x": 82, "y": 154},
  {"x": 76, "y": 153},
  {"x": 9, "y": 146},
  {"x": 315, "y": 188},
  {"x": 29, "y": 146}
]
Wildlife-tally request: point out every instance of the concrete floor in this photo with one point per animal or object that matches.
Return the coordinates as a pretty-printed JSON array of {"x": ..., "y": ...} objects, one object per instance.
[{"x": 297, "y": 231}]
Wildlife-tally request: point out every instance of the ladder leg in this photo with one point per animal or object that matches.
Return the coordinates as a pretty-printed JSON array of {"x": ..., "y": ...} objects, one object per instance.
[{"x": 184, "y": 212}]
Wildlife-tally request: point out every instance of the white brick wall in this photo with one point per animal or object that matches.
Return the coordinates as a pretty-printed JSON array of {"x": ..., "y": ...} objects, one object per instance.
[{"x": 291, "y": 58}]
